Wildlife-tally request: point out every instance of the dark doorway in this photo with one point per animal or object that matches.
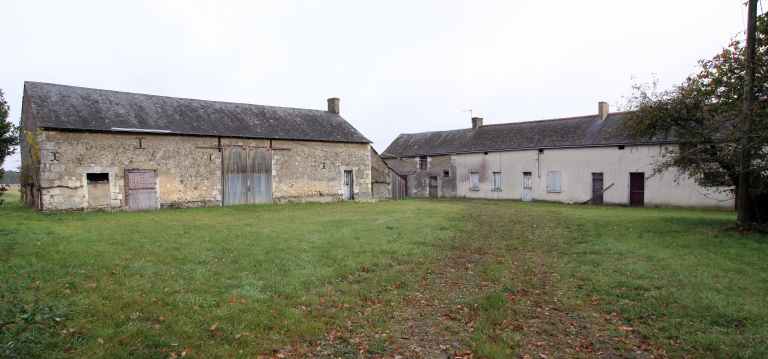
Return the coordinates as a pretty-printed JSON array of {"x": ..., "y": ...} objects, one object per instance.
[
  {"x": 637, "y": 189},
  {"x": 349, "y": 185},
  {"x": 142, "y": 189},
  {"x": 247, "y": 175},
  {"x": 597, "y": 188},
  {"x": 433, "y": 186}
]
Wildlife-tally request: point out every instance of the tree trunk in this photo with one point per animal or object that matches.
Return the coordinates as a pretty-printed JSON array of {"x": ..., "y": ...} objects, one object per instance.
[
  {"x": 745, "y": 205},
  {"x": 760, "y": 208}
]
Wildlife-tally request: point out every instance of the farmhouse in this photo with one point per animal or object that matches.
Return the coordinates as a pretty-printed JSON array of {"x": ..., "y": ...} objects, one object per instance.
[
  {"x": 85, "y": 148},
  {"x": 572, "y": 160}
]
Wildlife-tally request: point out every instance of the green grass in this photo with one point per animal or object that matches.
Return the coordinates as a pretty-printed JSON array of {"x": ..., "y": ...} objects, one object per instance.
[
  {"x": 241, "y": 281},
  {"x": 683, "y": 276},
  {"x": 150, "y": 282}
]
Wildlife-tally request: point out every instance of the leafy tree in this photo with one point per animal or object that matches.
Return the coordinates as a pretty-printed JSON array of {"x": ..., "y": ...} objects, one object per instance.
[
  {"x": 703, "y": 115},
  {"x": 9, "y": 136}
]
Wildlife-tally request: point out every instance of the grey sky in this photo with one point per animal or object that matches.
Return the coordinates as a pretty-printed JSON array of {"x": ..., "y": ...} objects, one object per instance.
[{"x": 398, "y": 66}]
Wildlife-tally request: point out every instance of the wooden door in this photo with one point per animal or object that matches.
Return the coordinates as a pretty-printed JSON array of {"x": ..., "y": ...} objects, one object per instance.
[
  {"x": 247, "y": 175},
  {"x": 398, "y": 186},
  {"x": 637, "y": 189},
  {"x": 433, "y": 186},
  {"x": 98, "y": 190},
  {"x": 597, "y": 188},
  {"x": 235, "y": 169},
  {"x": 141, "y": 189},
  {"x": 259, "y": 176},
  {"x": 349, "y": 185},
  {"x": 527, "y": 194}
]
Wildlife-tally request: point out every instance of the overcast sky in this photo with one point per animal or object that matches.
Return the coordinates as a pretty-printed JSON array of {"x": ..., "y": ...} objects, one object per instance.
[{"x": 398, "y": 66}]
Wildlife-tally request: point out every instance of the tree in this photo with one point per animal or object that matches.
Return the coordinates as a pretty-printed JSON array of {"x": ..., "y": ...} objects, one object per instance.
[
  {"x": 9, "y": 136},
  {"x": 704, "y": 116}
]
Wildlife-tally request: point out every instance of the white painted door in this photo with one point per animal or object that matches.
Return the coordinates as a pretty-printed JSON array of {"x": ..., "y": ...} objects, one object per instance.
[{"x": 527, "y": 195}]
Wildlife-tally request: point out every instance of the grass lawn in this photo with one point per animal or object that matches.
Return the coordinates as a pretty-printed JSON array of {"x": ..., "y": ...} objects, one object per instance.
[{"x": 414, "y": 277}]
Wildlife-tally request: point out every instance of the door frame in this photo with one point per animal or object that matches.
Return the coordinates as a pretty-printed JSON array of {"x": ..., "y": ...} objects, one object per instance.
[
  {"x": 522, "y": 187},
  {"x": 602, "y": 188},
  {"x": 349, "y": 188},
  {"x": 629, "y": 192},
  {"x": 436, "y": 187},
  {"x": 127, "y": 187}
]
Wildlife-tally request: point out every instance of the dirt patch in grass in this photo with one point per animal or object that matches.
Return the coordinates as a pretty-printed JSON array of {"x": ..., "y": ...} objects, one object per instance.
[{"x": 492, "y": 296}]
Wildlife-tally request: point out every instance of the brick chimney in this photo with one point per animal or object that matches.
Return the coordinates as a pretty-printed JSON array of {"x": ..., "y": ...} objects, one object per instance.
[
  {"x": 477, "y": 122},
  {"x": 333, "y": 105},
  {"x": 602, "y": 109}
]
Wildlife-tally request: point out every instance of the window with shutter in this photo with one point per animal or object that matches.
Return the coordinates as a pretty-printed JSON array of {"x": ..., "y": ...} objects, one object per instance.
[
  {"x": 553, "y": 182},
  {"x": 496, "y": 183},
  {"x": 474, "y": 181}
]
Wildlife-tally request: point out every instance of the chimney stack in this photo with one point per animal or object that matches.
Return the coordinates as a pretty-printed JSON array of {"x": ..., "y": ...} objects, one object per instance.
[
  {"x": 602, "y": 109},
  {"x": 477, "y": 122},
  {"x": 333, "y": 105}
]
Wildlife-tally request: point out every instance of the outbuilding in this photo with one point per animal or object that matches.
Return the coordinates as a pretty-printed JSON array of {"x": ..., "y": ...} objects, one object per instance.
[
  {"x": 85, "y": 148},
  {"x": 579, "y": 159}
]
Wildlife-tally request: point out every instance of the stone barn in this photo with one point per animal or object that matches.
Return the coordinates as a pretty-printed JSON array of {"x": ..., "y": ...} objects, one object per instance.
[{"x": 86, "y": 149}]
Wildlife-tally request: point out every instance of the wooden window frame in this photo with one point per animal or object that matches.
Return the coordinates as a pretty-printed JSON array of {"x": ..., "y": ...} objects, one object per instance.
[{"x": 423, "y": 163}]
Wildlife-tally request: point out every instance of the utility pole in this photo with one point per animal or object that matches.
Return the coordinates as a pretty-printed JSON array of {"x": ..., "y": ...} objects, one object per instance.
[{"x": 746, "y": 213}]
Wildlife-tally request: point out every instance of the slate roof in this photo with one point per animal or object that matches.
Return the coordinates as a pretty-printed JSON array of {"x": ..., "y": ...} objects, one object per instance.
[
  {"x": 77, "y": 108},
  {"x": 583, "y": 131}
]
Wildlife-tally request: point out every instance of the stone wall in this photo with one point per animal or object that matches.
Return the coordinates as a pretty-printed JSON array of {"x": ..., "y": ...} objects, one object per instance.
[
  {"x": 381, "y": 177},
  {"x": 418, "y": 179},
  {"x": 188, "y": 168},
  {"x": 314, "y": 171}
]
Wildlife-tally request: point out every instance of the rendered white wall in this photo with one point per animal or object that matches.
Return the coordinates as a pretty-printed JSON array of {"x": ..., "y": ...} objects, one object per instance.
[{"x": 576, "y": 167}]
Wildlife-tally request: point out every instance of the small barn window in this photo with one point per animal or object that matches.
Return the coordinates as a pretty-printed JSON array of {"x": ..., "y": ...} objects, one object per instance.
[
  {"x": 141, "y": 143},
  {"x": 474, "y": 181},
  {"x": 496, "y": 182},
  {"x": 423, "y": 163},
  {"x": 446, "y": 173},
  {"x": 553, "y": 182}
]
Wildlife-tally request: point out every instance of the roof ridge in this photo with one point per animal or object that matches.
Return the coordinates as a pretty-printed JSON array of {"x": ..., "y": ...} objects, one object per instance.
[
  {"x": 175, "y": 97},
  {"x": 542, "y": 120},
  {"x": 519, "y": 123}
]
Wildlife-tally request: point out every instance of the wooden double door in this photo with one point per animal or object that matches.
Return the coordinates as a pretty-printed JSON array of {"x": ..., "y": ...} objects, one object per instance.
[{"x": 247, "y": 175}]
